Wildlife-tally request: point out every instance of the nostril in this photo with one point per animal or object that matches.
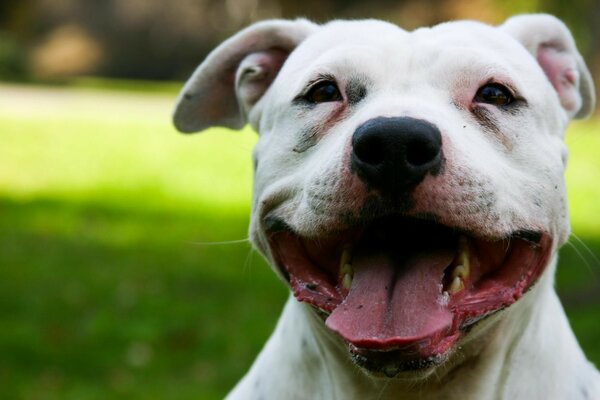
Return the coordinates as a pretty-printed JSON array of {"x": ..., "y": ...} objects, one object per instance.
[
  {"x": 420, "y": 153},
  {"x": 370, "y": 150}
]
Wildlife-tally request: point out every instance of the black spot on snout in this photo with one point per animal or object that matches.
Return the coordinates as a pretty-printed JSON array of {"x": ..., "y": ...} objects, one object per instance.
[
  {"x": 486, "y": 119},
  {"x": 308, "y": 138},
  {"x": 274, "y": 224}
]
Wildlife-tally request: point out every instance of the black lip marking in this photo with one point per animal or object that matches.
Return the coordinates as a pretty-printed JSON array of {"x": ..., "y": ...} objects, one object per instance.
[
  {"x": 390, "y": 363},
  {"x": 531, "y": 237},
  {"x": 275, "y": 224}
]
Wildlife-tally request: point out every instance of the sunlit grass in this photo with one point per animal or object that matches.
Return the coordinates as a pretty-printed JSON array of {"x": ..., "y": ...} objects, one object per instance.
[
  {"x": 106, "y": 287},
  {"x": 583, "y": 177},
  {"x": 108, "y": 156}
]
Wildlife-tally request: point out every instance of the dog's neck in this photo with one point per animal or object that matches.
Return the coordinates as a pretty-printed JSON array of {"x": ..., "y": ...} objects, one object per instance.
[{"x": 505, "y": 360}]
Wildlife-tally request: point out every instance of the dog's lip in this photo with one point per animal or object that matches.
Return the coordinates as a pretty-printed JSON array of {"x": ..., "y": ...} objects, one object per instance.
[
  {"x": 501, "y": 286},
  {"x": 392, "y": 362}
]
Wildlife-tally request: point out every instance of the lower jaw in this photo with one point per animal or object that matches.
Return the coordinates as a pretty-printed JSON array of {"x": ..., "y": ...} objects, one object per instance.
[
  {"x": 391, "y": 363},
  {"x": 418, "y": 361}
]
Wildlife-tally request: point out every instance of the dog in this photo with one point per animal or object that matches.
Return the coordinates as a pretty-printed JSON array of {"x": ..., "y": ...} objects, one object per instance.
[{"x": 409, "y": 191}]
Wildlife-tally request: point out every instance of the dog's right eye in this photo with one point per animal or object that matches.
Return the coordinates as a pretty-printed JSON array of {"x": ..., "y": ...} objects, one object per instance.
[
  {"x": 494, "y": 94},
  {"x": 323, "y": 92}
]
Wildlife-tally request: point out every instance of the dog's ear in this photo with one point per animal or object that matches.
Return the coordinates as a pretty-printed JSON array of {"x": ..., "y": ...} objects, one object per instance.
[
  {"x": 549, "y": 40},
  {"x": 234, "y": 76}
]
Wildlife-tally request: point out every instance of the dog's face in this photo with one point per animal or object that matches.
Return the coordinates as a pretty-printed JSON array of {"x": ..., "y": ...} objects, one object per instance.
[{"x": 407, "y": 184}]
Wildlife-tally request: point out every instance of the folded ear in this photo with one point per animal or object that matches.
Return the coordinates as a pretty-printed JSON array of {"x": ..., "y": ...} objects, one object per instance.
[
  {"x": 549, "y": 40},
  {"x": 234, "y": 76}
]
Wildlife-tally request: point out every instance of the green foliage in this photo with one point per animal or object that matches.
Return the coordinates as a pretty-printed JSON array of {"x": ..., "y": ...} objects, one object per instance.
[
  {"x": 12, "y": 59},
  {"x": 108, "y": 288},
  {"x": 105, "y": 288},
  {"x": 125, "y": 85}
]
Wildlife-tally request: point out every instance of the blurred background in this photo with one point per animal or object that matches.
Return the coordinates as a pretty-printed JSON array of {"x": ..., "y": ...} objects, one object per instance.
[{"x": 124, "y": 269}]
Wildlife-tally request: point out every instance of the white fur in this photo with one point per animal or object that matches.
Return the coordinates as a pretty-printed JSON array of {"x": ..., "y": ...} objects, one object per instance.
[{"x": 528, "y": 351}]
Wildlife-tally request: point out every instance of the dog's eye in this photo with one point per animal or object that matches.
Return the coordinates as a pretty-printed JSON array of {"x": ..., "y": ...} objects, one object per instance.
[
  {"x": 323, "y": 92},
  {"x": 495, "y": 94}
]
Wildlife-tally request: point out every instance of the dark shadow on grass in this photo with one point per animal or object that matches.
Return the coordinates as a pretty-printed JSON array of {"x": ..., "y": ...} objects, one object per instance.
[
  {"x": 120, "y": 301},
  {"x": 117, "y": 300},
  {"x": 578, "y": 286}
]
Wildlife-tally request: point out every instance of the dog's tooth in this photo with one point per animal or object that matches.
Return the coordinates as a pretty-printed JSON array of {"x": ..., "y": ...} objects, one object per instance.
[
  {"x": 346, "y": 257},
  {"x": 347, "y": 281},
  {"x": 463, "y": 260},
  {"x": 456, "y": 286},
  {"x": 464, "y": 256},
  {"x": 460, "y": 271},
  {"x": 347, "y": 269}
]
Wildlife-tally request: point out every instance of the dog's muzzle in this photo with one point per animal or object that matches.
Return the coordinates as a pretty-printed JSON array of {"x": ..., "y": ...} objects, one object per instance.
[{"x": 402, "y": 289}]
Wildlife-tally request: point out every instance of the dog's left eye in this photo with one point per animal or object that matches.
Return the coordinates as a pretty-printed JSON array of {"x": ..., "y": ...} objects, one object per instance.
[
  {"x": 495, "y": 94},
  {"x": 323, "y": 92}
]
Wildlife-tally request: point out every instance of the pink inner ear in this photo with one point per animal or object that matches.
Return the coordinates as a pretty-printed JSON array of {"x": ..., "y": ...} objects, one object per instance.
[
  {"x": 561, "y": 69},
  {"x": 256, "y": 73}
]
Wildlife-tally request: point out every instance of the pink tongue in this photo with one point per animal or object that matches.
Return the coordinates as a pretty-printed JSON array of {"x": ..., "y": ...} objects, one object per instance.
[{"x": 393, "y": 304}]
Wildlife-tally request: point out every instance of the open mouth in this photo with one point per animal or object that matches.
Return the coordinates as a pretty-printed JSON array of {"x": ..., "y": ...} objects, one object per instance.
[{"x": 406, "y": 289}]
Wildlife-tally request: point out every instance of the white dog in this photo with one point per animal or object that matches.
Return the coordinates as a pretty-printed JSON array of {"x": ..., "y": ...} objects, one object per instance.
[{"x": 409, "y": 190}]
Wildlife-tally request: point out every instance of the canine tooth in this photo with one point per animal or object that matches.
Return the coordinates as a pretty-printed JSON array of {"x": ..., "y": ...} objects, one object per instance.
[
  {"x": 347, "y": 270},
  {"x": 464, "y": 256},
  {"x": 460, "y": 271},
  {"x": 346, "y": 254},
  {"x": 347, "y": 281},
  {"x": 456, "y": 286},
  {"x": 463, "y": 259}
]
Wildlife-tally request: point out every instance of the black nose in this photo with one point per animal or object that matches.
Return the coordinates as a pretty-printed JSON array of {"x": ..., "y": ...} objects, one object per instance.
[{"x": 395, "y": 154}]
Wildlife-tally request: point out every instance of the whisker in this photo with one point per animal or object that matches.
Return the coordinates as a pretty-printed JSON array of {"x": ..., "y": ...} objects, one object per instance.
[
  {"x": 247, "y": 268},
  {"x": 383, "y": 389},
  {"x": 583, "y": 258},
  {"x": 587, "y": 248}
]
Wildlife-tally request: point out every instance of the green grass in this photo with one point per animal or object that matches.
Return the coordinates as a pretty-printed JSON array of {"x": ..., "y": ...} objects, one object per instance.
[
  {"x": 151, "y": 87},
  {"x": 107, "y": 288}
]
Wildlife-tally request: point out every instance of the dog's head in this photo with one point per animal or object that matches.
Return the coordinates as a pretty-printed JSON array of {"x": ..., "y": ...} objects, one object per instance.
[{"x": 407, "y": 184}]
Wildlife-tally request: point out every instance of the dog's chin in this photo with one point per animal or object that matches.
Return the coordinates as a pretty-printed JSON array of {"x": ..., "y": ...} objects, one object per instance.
[
  {"x": 406, "y": 365},
  {"x": 402, "y": 292},
  {"x": 396, "y": 364}
]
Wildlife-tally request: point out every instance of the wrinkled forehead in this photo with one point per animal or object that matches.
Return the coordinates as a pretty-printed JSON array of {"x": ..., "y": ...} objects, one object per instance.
[{"x": 383, "y": 50}]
